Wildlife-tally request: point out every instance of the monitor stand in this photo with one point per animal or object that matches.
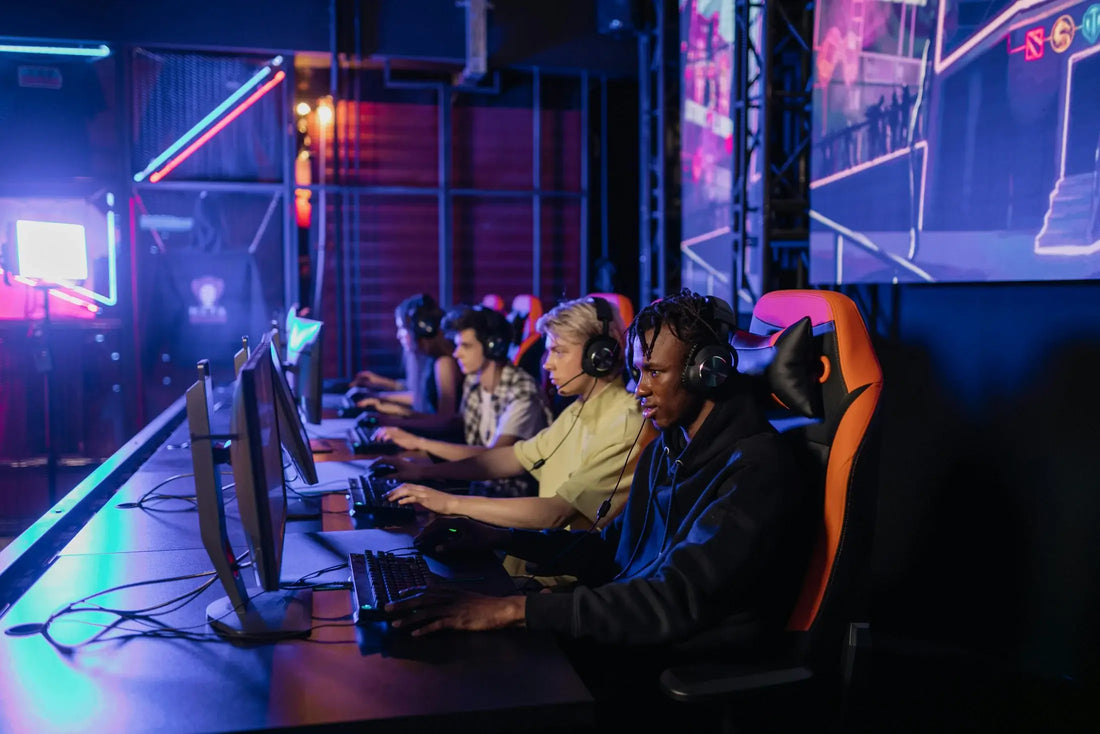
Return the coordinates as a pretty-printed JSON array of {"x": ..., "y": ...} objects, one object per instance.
[{"x": 265, "y": 617}]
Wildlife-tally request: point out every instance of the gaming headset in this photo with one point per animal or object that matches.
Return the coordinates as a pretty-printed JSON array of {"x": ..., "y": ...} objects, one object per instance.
[
  {"x": 495, "y": 333},
  {"x": 601, "y": 351},
  {"x": 422, "y": 316},
  {"x": 708, "y": 366}
]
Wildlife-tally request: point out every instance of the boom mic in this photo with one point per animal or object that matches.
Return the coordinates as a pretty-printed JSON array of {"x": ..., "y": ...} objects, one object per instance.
[{"x": 557, "y": 388}]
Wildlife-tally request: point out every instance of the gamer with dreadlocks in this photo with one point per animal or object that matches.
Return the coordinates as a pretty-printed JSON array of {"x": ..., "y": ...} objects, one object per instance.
[{"x": 706, "y": 557}]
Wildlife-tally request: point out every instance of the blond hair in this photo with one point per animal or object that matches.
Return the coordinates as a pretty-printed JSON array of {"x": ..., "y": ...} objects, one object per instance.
[{"x": 576, "y": 321}]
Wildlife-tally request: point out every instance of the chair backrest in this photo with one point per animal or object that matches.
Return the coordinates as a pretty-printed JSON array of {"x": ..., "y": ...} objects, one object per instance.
[
  {"x": 841, "y": 452},
  {"x": 619, "y": 301},
  {"x": 528, "y": 343},
  {"x": 493, "y": 301}
]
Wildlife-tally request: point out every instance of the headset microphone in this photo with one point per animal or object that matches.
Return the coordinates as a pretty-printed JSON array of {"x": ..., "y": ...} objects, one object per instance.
[{"x": 574, "y": 377}]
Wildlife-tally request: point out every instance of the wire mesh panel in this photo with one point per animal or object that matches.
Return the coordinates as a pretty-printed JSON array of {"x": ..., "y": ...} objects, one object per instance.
[{"x": 182, "y": 99}]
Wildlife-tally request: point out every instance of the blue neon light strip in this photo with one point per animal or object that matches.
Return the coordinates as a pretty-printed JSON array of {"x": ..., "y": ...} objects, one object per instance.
[
  {"x": 92, "y": 52},
  {"x": 112, "y": 263},
  {"x": 188, "y": 136}
]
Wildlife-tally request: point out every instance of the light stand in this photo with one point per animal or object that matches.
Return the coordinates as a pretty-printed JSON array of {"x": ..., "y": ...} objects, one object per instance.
[
  {"x": 46, "y": 254},
  {"x": 43, "y": 360}
]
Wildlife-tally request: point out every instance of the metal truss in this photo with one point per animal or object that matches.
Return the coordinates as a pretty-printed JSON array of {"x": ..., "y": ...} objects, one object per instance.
[
  {"x": 747, "y": 112},
  {"x": 653, "y": 102},
  {"x": 788, "y": 76},
  {"x": 770, "y": 107}
]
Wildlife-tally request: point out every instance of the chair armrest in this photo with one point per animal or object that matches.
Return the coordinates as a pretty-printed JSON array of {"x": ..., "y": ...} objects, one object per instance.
[{"x": 704, "y": 682}]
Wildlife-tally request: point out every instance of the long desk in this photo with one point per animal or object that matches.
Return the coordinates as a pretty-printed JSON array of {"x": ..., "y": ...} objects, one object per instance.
[{"x": 342, "y": 675}]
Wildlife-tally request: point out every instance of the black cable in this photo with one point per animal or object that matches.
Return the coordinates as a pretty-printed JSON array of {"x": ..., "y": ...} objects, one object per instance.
[
  {"x": 124, "y": 615},
  {"x": 154, "y": 628},
  {"x": 542, "y": 461},
  {"x": 151, "y": 496},
  {"x": 605, "y": 506},
  {"x": 301, "y": 583}
]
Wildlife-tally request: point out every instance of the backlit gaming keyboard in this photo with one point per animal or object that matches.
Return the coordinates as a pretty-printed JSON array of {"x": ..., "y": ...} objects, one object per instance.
[
  {"x": 359, "y": 438},
  {"x": 377, "y": 578},
  {"x": 367, "y": 498},
  {"x": 349, "y": 403}
]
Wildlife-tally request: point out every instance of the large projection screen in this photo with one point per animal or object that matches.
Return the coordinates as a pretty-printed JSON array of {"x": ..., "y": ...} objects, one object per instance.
[{"x": 955, "y": 141}]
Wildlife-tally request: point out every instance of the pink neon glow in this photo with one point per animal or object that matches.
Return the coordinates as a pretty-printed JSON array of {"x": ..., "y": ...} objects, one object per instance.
[
  {"x": 990, "y": 28},
  {"x": 1034, "y": 44},
  {"x": 230, "y": 117},
  {"x": 67, "y": 297}
]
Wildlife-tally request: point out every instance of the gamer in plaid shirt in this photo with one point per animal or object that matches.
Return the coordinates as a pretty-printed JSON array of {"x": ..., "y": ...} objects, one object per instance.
[{"x": 515, "y": 407}]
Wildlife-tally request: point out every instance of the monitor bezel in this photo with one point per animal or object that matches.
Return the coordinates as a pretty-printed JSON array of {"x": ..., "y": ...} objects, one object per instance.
[
  {"x": 291, "y": 428},
  {"x": 265, "y": 532}
]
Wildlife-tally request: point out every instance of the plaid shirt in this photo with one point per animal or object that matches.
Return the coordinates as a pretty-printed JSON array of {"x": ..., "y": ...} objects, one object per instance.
[{"x": 515, "y": 386}]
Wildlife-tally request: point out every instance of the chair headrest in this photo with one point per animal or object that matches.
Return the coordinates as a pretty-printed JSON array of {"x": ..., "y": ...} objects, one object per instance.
[
  {"x": 526, "y": 311},
  {"x": 788, "y": 363}
]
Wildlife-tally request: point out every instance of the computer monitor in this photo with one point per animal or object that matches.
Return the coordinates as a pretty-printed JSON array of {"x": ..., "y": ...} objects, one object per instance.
[
  {"x": 277, "y": 342},
  {"x": 257, "y": 459},
  {"x": 207, "y": 452},
  {"x": 291, "y": 429},
  {"x": 241, "y": 356},
  {"x": 304, "y": 340}
]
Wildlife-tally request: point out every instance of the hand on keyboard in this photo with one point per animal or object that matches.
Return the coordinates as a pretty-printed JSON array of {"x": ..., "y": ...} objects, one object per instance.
[
  {"x": 445, "y": 607},
  {"x": 430, "y": 499},
  {"x": 460, "y": 535},
  {"x": 399, "y": 436},
  {"x": 355, "y": 394}
]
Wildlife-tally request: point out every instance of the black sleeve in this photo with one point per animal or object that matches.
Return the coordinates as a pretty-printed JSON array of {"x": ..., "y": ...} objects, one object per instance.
[
  {"x": 588, "y": 556},
  {"x": 700, "y": 581}
]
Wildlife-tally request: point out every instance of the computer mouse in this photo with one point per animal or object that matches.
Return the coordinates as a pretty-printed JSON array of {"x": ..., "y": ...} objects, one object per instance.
[{"x": 382, "y": 470}]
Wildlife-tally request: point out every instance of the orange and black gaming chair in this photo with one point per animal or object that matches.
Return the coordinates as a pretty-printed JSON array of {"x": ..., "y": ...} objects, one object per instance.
[
  {"x": 493, "y": 301},
  {"x": 528, "y": 347},
  {"x": 623, "y": 304},
  {"x": 827, "y": 640}
]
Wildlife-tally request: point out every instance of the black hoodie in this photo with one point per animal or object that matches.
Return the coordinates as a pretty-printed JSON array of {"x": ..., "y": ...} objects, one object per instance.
[{"x": 721, "y": 573}]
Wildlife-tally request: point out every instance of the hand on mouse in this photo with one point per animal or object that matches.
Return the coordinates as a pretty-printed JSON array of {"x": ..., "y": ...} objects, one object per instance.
[
  {"x": 460, "y": 534},
  {"x": 401, "y": 468}
]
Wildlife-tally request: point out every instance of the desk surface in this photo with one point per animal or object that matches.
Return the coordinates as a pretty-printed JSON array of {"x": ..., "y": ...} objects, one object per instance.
[{"x": 342, "y": 674}]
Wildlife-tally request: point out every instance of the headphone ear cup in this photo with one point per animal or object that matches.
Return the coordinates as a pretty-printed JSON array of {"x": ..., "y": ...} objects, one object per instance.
[
  {"x": 599, "y": 356},
  {"x": 422, "y": 326},
  {"x": 707, "y": 368},
  {"x": 496, "y": 348}
]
